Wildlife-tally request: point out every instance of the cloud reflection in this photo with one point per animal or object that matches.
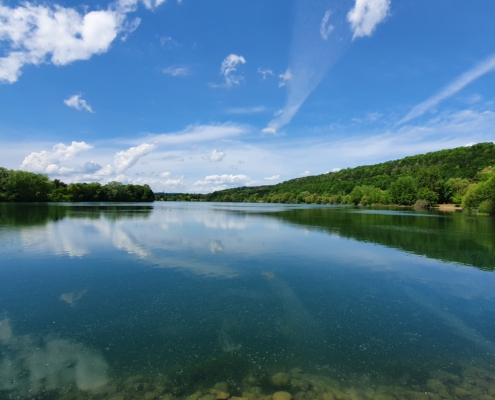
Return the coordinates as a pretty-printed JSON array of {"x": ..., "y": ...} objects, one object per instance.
[{"x": 31, "y": 366}]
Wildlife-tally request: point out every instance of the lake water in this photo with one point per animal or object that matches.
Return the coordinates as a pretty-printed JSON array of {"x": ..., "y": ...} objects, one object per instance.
[{"x": 170, "y": 300}]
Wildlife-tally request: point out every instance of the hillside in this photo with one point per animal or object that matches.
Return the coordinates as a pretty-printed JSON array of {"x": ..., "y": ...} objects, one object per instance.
[{"x": 437, "y": 177}]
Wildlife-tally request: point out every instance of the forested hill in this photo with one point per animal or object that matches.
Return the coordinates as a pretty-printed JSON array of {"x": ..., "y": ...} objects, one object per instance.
[{"x": 437, "y": 177}]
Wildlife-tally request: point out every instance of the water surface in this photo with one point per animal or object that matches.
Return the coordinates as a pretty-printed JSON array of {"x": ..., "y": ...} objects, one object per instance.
[{"x": 167, "y": 300}]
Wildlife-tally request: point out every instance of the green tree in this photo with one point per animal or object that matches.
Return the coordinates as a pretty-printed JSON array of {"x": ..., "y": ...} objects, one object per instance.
[
  {"x": 403, "y": 191},
  {"x": 481, "y": 196},
  {"x": 23, "y": 186}
]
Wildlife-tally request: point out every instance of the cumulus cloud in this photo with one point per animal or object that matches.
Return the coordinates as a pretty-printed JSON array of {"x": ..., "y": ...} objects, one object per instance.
[
  {"x": 229, "y": 66},
  {"x": 272, "y": 178},
  {"x": 78, "y": 103},
  {"x": 216, "y": 155},
  {"x": 366, "y": 15},
  {"x": 48, "y": 161},
  {"x": 452, "y": 88},
  {"x": 325, "y": 28},
  {"x": 176, "y": 71},
  {"x": 264, "y": 72},
  {"x": 35, "y": 34},
  {"x": 284, "y": 78},
  {"x": 31, "y": 366},
  {"x": 305, "y": 173},
  {"x": 225, "y": 180}
]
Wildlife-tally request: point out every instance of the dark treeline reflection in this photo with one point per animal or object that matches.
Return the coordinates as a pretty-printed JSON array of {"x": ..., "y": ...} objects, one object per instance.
[
  {"x": 452, "y": 238},
  {"x": 41, "y": 214}
]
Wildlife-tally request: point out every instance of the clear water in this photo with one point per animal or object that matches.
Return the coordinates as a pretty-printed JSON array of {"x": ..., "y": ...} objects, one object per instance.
[{"x": 167, "y": 300}]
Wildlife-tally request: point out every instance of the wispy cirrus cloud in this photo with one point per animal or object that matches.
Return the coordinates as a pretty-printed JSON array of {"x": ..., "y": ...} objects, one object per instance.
[
  {"x": 176, "y": 71},
  {"x": 78, "y": 103},
  {"x": 318, "y": 44},
  {"x": 225, "y": 180},
  {"x": 452, "y": 88},
  {"x": 246, "y": 110},
  {"x": 325, "y": 27},
  {"x": 265, "y": 72},
  {"x": 197, "y": 133},
  {"x": 285, "y": 78}
]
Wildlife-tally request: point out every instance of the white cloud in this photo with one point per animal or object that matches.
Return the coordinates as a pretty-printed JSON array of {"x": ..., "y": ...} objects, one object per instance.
[
  {"x": 325, "y": 29},
  {"x": 198, "y": 133},
  {"x": 225, "y": 180},
  {"x": 124, "y": 160},
  {"x": 474, "y": 98},
  {"x": 370, "y": 117},
  {"x": 305, "y": 173},
  {"x": 272, "y": 178},
  {"x": 78, "y": 103},
  {"x": 336, "y": 169},
  {"x": 172, "y": 157},
  {"x": 310, "y": 56},
  {"x": 366, "y": 15},
  {"x": 168, "y": 42},
  {"x": 265, "y": 72},
  {"x": 216, "y": 155},
  {"x": 36, "y": 34},
  {"x": 229, "y": 65},
  {"x": 246, "y": 110},
  {"x": 48, "y": 161},
  {"x": 285, "y": 78},
  {"x": 452, "y": 88},
  {"x": 176, "y": 71}
]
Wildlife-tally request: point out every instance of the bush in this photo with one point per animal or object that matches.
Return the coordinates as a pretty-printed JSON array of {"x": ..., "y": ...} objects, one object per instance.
[
  {"x": 487, "y": 207},
  {"x": 427, "y": 196},
  {"x": 421, "y": 205}
]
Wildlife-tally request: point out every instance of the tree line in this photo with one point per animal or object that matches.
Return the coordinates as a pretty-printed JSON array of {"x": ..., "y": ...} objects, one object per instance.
[
  {"x": 462, "y": 176},
  {"x": 23, "y": 186}
]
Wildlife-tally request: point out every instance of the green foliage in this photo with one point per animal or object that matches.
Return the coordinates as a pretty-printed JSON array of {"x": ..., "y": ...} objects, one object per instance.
[
  {"x": 22, "y": 186},
  {"x": 481, "y": 196},
  {"x": 428, "y": 196},
  {"x": 444, "y": 173},
  {"x": 403, "y": 191},
  {"x": 487, "y": 207}
]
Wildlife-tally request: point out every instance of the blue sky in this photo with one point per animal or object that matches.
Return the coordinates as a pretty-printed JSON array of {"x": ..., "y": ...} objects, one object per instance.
[{"x": 198, "y": 96}]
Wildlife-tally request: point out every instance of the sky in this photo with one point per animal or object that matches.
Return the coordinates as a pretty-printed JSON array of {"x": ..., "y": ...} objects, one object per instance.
[{"x": 197, "y": 96}]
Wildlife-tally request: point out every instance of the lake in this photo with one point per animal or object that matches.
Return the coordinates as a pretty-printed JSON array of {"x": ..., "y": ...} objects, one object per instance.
[{"x": 217, "y": 300}]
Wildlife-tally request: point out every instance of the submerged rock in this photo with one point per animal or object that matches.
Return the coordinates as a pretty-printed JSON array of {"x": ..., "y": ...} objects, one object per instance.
[
  {"x": 195, "y": 396},
  {"x": 219, "y": 395},
  {"x": 281, "y": 396},
  {"x": 280, "y": 380}
]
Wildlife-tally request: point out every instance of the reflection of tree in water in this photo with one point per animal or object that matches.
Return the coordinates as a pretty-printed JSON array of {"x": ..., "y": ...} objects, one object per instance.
[
  {"x": 23, "y": 215},
  {"x": 456, "y": 238}
]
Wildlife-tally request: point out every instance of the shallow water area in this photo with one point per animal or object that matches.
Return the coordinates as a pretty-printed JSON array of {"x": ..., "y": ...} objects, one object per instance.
[{"x": 261, "y": 302}]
